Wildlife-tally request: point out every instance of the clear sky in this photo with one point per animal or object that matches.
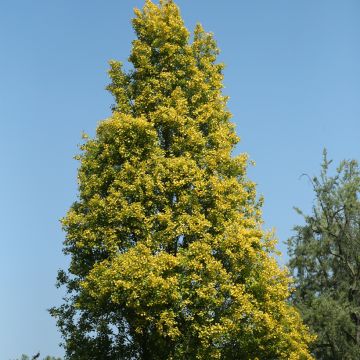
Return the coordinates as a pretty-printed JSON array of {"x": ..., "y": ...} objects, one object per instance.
[{"x": 293, "y": 75}]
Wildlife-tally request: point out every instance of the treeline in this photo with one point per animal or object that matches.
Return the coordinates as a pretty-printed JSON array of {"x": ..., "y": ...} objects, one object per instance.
[{"x": 37, "y": 357}]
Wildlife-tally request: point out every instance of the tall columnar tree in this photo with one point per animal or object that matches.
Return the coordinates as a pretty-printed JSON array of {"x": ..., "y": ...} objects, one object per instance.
[
  {"x": 325, "y": 260},
  {"x": 168, "y": 256}
]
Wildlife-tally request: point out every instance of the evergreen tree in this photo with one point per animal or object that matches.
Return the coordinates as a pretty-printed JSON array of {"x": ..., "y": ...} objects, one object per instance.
[
  {"x": 168, "y": 257},
  {"x": 325, "y": 260}
]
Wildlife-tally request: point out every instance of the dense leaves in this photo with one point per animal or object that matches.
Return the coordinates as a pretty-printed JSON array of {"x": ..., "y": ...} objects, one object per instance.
[
  {"x": 168, "y": 256},
  {"x": 325, "y": 260}
]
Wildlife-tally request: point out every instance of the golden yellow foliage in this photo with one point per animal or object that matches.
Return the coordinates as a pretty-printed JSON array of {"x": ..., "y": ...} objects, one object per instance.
[{"x": 168, "y": 256}]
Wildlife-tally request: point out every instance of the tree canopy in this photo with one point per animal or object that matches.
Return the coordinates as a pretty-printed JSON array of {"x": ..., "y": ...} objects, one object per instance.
[
  {"x": 325, "y": 261},
  {"x": 168, "y": 256}
]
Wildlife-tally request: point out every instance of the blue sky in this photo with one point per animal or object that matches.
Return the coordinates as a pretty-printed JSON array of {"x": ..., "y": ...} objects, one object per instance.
[{"x": 293, "y": 76}]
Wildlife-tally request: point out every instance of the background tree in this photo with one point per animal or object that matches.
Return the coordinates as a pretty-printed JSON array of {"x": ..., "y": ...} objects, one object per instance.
[
  {"x": 325, "y": 261},
  {"x": 36, "y": 356},
  {"x": 168, "y": 257}
]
